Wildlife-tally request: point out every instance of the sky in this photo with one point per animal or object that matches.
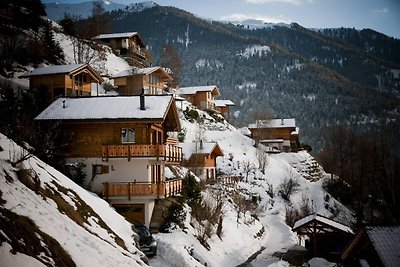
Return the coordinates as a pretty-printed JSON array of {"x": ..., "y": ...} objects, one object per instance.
[{"x": 380, "y": 15}]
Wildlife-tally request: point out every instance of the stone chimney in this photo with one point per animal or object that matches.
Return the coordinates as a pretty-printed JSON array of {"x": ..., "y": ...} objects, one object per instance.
[
  {"x": 63, "y": 103},
  {"x": 282, "y": 123}
]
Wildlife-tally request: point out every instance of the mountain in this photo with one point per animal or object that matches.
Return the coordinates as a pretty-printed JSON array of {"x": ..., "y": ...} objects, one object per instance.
[
  {"x": 314, "y": 76},
  {"x": 55, "y": 11}
]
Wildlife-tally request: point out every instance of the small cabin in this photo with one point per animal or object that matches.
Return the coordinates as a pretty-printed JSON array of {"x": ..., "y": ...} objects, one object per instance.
[
  {"x": 201, "y": 158},
  {"x": 322, "y": 236},
  {"x": 374, "y": 246},
  {"x": 276, "y": 134},
  {"x": 223, "y": 106},
  {"x": 126, "y": 43},
  {"x": 152, "y": 80},
  {"x": 63, "y": 80},
  {"x": 124, "y": 145},
  {"x": 200, "y": 96}
]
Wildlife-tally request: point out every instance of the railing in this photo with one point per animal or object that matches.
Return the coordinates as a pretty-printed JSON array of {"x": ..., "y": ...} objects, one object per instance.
[
  {"x": 168, "y": 152},
  {"x": 129, "y": 190}
]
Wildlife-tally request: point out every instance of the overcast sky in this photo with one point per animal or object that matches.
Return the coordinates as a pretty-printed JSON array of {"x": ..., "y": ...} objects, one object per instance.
[{"x": 380, "y": 15}]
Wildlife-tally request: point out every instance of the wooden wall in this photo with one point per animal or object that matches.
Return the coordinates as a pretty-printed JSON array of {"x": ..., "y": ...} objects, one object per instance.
[{"x": 277, "y": 133}]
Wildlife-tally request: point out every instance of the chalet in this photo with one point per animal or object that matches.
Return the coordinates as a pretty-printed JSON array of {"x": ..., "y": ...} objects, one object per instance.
[
  {"x": 200, "y": 96},
  {"x": 324, "y": 237},
  {"x": 278, "y": 134},
  {"x": 127, "y": 43},
  {"x": 223, "y": 106},
  {"x": 123, "y": 143},
  {"x": 374, "y": 246},
  {"x": 201, "y": 158},
  {"x": 63, "y": 80},
  {"x": 153, "y": 80}
]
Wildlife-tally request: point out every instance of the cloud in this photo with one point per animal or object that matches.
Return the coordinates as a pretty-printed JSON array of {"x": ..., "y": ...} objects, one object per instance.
[
  {"x": 381, "y": 11},
  {"x": 293, "y": 2},
  {"x": 242, "y": 17}
]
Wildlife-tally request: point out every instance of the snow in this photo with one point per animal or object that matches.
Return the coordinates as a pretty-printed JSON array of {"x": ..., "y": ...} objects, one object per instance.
[
  {"x": 189, "y": 148},
  {"x": 274, "y": 123},
  {"x": 115, "y": 35},
  {"x": 251, "y": 51},
  {"x": 223, "y": 103},
  {"x": 87, "y": 244},
  {"x": 324, "y": 220},
  {"x": 52, "y": 70},
  {"x": 120, "y": 107}
]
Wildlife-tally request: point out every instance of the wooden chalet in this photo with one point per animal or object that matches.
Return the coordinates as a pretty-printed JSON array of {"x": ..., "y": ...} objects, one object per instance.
[
  {"x": 123, "y": 143},
  {"x": 153, "y": 80},
  {"x": 374, "y": 246},
  {"x": 325, "y": 238},
  {"x": 63, "y": 80},
  {"x": 223, "y": 106},
  {"x": 200, "y": 96},
  {"x": 277, "y": 134},
  {"x": 201, "y": 158},
  {"x": 127, "y": 44}
]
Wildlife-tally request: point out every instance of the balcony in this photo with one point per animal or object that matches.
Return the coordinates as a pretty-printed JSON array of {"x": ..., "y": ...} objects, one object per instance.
[
  {"x": 168, "y": 152},
  {"x": 129, "y": 190}
]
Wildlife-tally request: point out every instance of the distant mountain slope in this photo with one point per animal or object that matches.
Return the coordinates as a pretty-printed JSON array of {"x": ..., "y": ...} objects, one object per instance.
[
  {"x": 48, "y": 220},
  {"x": 318, "y": 79}
]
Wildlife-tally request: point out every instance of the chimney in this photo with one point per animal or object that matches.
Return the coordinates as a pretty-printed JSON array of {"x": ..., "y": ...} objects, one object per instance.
[
  {"x": 142, "y": 103},
  {"x": 201, "y": 144},
  {"x": 282, "y": 122},
  {"x": 63, "y": 103}
]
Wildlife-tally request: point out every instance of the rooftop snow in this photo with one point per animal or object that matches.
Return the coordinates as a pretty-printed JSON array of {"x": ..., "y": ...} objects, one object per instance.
[
  {"x": 324, "y": 220},
  {"x": 386, "y": 241},
  {"x": 188, "y": 149},
  {"x": 116, "y": 35},
  {"x": 52, "y": 70},
  {"x": 195, "y": 89},
  {"x": 274, "y": 123},
  {"x": 136, "y": 71},
  {"x": 127, "y": 107},
  {"x": 223, "y": 103}
]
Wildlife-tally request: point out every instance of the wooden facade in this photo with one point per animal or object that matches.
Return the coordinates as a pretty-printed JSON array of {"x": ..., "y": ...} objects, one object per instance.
[
  {"x": 64, "y": 80},
  {"x": 153, "y": 80},
  {"x": 202, "y": 97}
]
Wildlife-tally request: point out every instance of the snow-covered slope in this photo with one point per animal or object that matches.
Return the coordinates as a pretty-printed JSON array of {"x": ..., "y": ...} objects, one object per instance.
[
  {"x": 262, "y": 229},
  {"x": 48, "y": 220}
]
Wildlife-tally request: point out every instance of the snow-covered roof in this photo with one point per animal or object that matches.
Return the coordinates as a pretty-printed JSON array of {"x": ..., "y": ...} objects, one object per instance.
[
  {"x": 188, "y": 149},
  {"x": 97, "y": 108},
  {"x": 116, "y": 35},
  {"x": 386, "y": 241},
  {"x": 296, "y": 132},
  {"x": 223, "y": 103},
  {"x": 193, "y": 90},
  {"x": 323, "y": 220},
  {"x": 142, "y": 71},
  {"x": 274, "y": 123},
  {"x": 271, "y": 141},
  {"x": 52, "y": 70}
]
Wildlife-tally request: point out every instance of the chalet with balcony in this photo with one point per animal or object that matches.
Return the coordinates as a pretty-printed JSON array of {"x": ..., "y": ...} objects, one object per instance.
[
  {"x": 223, "y": 106},
  {"x": 153, "y": 80},
  {"x": 63, "y": 80},
  {"x": 127, "y": 44},
  {"x": 124, "y": 145},
  {"x": 200, "y": 96},
  {"x": 276, "y": 134},
  {"x": 201, "y": 158}
]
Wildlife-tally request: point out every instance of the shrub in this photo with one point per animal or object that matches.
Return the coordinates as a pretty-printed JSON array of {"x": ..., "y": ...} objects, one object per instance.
[
  {"x": 191, "y": 114},
  {"x": 287, "y": 188},
  {"x": 175, "y": 214}
]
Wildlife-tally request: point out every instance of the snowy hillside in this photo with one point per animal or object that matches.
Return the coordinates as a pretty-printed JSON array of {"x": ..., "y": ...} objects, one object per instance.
[
  {"x": 262, "y": 229},
  {"x": 47, "y": 220}
]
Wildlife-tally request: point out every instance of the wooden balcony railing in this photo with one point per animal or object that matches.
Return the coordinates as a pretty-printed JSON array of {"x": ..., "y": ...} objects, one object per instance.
[
  {"x": 129, "y": 190},
  {"x": 168, "y": 152}
]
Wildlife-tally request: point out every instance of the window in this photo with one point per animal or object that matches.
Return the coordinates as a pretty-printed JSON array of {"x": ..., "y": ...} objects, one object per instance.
[
  {"x": 127, "y": 135},
  {"x": 100, "y": 169}
]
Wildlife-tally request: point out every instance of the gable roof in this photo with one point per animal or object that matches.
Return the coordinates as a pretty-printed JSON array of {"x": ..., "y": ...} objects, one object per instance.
[
  {"x": 70, "y": 69},
  {"x": 110, "y": 108},
  {"x": 223, "y": 103},
  {"x": 188, "y": 149},
  {"x": 322, "y": 221},
  {"x": 384, "y": 240},
  {"x": 120, "y": 35},
  {"x": 142, "y": 71},
  {"x": 193, "y": 90},
  {"x": 274, "y": 123}
]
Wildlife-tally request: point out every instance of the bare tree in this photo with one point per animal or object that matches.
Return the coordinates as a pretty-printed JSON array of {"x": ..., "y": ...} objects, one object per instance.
[
  {"x": 262, "y": 158},
  {"x": 170, "y": 59},
  {"x": 248, "y": 167}
]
